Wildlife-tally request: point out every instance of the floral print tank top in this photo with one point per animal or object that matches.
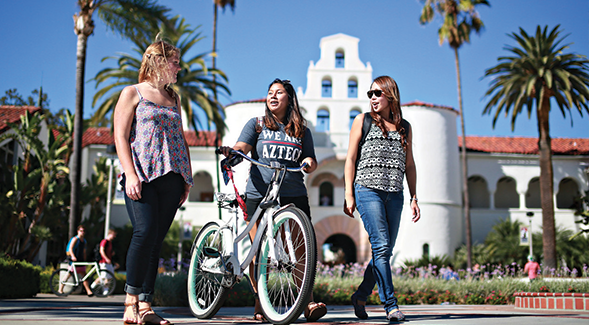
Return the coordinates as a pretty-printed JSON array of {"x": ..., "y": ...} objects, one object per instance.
[{"x": 157, "y": 142}]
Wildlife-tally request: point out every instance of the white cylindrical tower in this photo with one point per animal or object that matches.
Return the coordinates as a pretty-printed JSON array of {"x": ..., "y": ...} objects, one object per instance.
[{"x": 435, "y": 150}]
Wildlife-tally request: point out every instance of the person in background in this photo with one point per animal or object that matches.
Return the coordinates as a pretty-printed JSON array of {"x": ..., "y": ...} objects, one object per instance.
[
  {"x": 532, "y": 268},
  {"x": 77, "y": 253},
  {"x": 106, "y": 254},
  {"x": 157, "y": 174},
  {"x": 281, "y": 135},
  {"x": 374, "y": 172}
]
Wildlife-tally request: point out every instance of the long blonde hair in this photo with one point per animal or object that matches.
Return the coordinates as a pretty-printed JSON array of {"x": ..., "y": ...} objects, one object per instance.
[{"x": 155, "y": 63}]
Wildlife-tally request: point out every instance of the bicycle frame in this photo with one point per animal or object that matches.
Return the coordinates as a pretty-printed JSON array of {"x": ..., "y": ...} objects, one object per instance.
[
  {"x": 270, "y": 206},
  {"x": 95, "y": 268}
]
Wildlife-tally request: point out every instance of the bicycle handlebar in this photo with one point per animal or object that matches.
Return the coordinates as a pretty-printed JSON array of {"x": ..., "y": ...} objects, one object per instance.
[{"x": 255, "y": 162}]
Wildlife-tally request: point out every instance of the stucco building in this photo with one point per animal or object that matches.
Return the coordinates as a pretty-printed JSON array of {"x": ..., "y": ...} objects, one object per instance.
[{"x": 503, "y": 171}]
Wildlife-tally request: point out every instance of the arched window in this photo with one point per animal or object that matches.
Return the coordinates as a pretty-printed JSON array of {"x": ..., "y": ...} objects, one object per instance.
[
  {"x": 478, "y": 192},
  {"x": 568, "y": 192},
  {"x": 203, "y": 189},
  {"x": 506, "y": 194},
  {"x": 339, "y": 249},
  {"x": 353, "y": 114},
  {"x": 352, "y": 88},
  {"x": 425, "y": 252},
  {"x": 340, "y": 61},
  {"x": 326, "y": 194},
  {"x": 533, "y": 194},
  {"x": 322, "y": 120},
  {"x": 326, "y": 88}
]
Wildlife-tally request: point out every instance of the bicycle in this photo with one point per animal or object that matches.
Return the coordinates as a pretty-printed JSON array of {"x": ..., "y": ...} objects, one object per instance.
[
  {"x": 284, "y": 247},
  {"x": 102, "y": 281}
]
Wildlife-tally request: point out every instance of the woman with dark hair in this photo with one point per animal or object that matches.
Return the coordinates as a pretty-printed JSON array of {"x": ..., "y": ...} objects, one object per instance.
[
  {"x": 280, "y": 135},
  {"x": 375, "y": 166},
  {"x": 157, "y": 174}
]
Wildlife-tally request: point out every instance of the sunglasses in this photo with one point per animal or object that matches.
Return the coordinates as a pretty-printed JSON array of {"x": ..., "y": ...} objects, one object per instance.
[{"x": 376, "y": 92}]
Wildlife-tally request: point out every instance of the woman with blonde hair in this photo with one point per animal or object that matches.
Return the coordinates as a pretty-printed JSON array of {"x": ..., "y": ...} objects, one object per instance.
[
  {"x": 375, "y": 166},
  {"x": 157, "y": 175}
]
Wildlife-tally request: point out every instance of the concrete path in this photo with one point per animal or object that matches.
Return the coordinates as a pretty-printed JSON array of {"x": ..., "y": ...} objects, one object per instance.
[{"x": 78, "y": 309}]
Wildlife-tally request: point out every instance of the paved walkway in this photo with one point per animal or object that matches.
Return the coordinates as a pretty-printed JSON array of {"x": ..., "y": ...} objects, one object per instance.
[{"x": 76, "y": 309}]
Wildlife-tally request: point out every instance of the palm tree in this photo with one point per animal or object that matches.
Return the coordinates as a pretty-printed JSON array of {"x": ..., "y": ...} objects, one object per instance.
[
  {"x": 194, "y": 85},
  {"x": 538, "y": 71},
  {"x": 460, "y": 19},
  {"x": 125, "y": 17}
]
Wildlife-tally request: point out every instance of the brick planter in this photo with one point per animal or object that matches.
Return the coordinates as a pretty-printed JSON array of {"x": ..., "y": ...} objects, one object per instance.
[{"x": 552, "y": 301}]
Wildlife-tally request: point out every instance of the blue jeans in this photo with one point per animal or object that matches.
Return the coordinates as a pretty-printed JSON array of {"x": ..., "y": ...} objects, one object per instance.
[
  {"x": 381, "y": 215},
  {"x": 151, "y": 217}
]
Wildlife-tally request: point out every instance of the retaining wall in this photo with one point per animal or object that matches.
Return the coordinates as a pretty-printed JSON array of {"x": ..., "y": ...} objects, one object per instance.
[{"x": 552, "y": 301}]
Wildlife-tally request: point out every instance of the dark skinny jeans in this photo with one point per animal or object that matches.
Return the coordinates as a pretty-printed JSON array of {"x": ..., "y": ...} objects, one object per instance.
[{"x": 151, "y": 217}]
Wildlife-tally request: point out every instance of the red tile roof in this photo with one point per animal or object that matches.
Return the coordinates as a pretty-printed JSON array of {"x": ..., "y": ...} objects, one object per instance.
[
  {"x": 103, "y": 135},
  {"x": 420, "y": 103},
  {"x": 522, "y": 145},
  {"x": 12, "y": 114}
]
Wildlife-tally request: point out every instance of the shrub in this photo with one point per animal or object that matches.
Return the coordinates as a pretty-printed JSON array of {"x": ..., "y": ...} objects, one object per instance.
[
  {"x": 171, "y": 290},
  {"x": 18, "y": 279}
]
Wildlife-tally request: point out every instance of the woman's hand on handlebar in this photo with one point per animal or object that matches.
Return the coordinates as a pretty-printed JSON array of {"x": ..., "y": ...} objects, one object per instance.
[
  {"x": 311, "y": 165},
  {"x": 225, "y": 151}
]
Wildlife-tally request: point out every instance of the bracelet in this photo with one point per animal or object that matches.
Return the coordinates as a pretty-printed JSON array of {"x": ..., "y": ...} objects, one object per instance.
[{"x": 413, "y": 199}]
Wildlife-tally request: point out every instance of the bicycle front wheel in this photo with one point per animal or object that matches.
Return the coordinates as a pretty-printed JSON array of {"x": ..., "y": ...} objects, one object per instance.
[
  {"x": 285, "y": 280},
  {"x": 206, "y": 294},
  {"x": 104, "y": 284},
  {"x": 62, "y": 282}
]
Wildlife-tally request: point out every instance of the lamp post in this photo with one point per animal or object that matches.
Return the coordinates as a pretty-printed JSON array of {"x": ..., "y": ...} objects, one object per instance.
[
  {"x": 530, "y": 214},
  {"x": 111, "y": 151},
  {"x": 180, "y": 237}
]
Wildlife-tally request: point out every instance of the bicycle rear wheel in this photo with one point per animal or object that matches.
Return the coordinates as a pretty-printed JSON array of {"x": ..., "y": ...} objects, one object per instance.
[
  {"x": 104, "y": 284},
  {"x": 285, "y": 284},
  {"x": 62, "y": 282},
  {"x": 206, "y": 294}
]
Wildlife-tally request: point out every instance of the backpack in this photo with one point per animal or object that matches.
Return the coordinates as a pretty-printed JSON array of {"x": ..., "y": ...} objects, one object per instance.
[
  {"x": 368, "y": 122},
  {"x": 69, "y": 243},
  {"x": 97, "y": 256}
]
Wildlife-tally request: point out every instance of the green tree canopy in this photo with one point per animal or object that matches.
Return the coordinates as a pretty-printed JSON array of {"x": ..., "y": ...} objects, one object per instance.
[{"x": 195, "y": 81}]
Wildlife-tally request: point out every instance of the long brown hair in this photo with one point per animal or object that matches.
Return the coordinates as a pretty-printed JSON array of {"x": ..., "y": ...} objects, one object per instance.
[
  {"x": 294, "y": 122},
  {"x": 155, "y": 63},
  {"x": 391, "y": 91}
]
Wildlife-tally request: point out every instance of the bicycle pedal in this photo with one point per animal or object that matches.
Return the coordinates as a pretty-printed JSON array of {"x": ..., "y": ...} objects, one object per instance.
[{"x": 211, "y": 252}]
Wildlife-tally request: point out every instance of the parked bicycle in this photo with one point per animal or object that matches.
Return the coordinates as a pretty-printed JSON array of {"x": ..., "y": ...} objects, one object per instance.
[
  {"x": 284, "y": 247},
  {"x": 65, "y": 281}
]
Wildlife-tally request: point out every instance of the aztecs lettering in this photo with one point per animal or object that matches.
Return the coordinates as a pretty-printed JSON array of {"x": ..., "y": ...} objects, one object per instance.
[{"x": 278, "y": 145}]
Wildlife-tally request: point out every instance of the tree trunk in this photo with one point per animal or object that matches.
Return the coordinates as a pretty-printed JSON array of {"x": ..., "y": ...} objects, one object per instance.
[
  {"x": 466, "y": 200},
  {"x": 78, "y": 132},
  {"x": 546, "y": 184}
]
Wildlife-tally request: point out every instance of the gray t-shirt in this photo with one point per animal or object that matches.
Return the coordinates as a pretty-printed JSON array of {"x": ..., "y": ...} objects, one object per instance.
[{"x": 269, "y": 146}]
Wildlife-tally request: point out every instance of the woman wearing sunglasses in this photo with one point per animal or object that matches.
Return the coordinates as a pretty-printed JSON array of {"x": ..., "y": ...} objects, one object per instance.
[{"x": 375, "y": 166}]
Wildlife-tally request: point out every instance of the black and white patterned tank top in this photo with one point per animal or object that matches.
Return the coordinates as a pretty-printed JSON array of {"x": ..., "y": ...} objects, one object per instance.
[{"x": 382, "y": 161}]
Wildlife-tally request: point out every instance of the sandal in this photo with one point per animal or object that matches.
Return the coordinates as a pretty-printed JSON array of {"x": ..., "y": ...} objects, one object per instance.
[
  {"x": 135, "y": 314},
  {"x": 314, "y": 311},
  {"x": 148, "y": 316},
  {"x": 359, "y": 307},
  {"x": 260, "y": 317}
]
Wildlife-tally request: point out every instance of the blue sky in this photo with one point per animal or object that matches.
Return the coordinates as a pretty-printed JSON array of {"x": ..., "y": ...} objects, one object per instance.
[{"x": 262, "y": 40}]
